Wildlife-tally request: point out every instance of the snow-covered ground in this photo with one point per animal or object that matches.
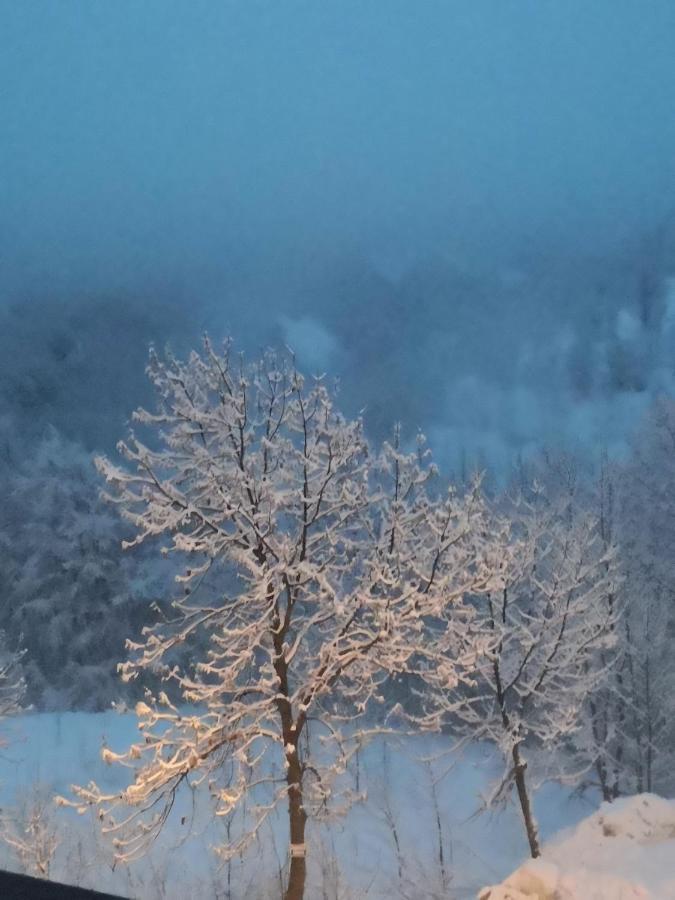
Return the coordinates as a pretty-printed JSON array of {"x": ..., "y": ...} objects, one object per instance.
[
  {"x": 351, "y": 857},
  {"x": 624, "y": 851}
]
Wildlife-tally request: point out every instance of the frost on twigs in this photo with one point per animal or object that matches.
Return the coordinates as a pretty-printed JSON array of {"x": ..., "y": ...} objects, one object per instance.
[
  {"x": 30, "y": 832},
  {"x": 12, "y": 681},
  {"x": 546, "y": 620},
  {"x": 314, "y": 567}
]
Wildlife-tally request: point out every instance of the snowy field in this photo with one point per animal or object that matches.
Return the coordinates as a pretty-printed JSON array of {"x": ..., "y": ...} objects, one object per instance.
[{"x": 387, "y": 846}]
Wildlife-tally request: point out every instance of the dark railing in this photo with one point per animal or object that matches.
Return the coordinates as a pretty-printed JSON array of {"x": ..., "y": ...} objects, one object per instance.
[{"x": 23, "y": 887}]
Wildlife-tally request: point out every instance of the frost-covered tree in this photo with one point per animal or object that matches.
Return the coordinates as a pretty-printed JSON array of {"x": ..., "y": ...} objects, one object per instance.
[
  {"x": 31, "y": 833},
  {"x": 627, "y": 734},
  {"x": 68, "y": 595},
  {"x": 543, "y": 618},
  {"x": 12, "y": 694},
  {"x": 12, "y": 681},
  {"x": 643, "y": 731},
  {"x": 313, "y": 568},
  {"x": 599, "y": 745}
]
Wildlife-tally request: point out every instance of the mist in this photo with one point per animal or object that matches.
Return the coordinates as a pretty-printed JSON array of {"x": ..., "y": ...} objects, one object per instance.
[
  {"x": 423, "y": 199},
  {"x": 337, "y": 448}
]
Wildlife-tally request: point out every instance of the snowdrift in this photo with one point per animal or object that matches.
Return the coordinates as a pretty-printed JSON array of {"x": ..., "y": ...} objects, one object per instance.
[{"x": 624, "y": 851}]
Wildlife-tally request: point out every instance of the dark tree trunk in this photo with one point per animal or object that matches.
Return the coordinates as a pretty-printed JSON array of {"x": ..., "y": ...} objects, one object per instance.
[
  {"x": 599, "y": 727},
  {"x": 297, "y": 819},
  {"x": 291, "y": 731},
  {"x": 519, "y": 766},
  {"x": 650, "y": 724},
  {"x": 621, "y": 730}
]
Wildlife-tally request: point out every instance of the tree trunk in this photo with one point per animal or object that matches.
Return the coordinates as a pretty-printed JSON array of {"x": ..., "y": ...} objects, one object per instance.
[
  {"x": 530, "y": 826},
  {"x": 296, "y": 819},
  {"x": 618, "y": 756},
  {"x": 599, "y": 730},
  {"x": 650, "y": 724},
  {"x": 601, "y": 770}
]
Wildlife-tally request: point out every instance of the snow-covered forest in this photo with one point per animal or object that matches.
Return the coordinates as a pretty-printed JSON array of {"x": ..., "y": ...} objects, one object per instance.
[{"x": 337, "y": 449}]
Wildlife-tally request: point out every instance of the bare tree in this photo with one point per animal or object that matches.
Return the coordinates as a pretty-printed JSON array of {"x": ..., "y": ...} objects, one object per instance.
[
  {"x": 543, "y": 618},
  {"x": 316, "y": 567},
  {"x": 30, "y": 831},
  {"x": 638, "y": 731},
  {"x": 12, "y": 680}
]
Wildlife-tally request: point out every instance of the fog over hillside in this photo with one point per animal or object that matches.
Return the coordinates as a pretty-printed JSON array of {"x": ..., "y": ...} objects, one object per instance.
[
  {"x": 337, "y": 447},
  {"x": 465, "y": 211}
]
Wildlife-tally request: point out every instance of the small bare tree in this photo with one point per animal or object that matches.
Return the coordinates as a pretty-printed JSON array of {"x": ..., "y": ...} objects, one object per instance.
[
  {"x": 12, "y": 681},
  {"x": 30, "y": 832},
  {"x": 24, "y": 831},
  {"x": 315, "y": 567}
]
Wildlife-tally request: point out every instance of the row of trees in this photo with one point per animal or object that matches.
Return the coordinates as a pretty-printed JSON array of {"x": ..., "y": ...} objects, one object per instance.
[
  {"x": 632, "y": 722},
  {"x": 319, "y": 573},
  {"x": 70, "y": 596},
  {"x": 329, "y": 590}
]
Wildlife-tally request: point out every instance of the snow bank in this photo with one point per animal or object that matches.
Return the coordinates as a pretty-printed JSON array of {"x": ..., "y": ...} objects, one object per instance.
[{"x": 624, "y": 851}]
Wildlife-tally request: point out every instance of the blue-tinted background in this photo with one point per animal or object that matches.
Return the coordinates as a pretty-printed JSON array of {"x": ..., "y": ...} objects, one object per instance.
[{"x": 462, "y": 209}]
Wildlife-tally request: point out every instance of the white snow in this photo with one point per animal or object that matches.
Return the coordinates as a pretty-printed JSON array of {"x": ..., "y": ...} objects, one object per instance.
[
  {"x": 349, "y": 857},
  {"x": 624, "y": 851}
]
